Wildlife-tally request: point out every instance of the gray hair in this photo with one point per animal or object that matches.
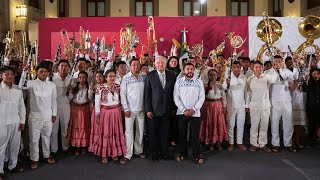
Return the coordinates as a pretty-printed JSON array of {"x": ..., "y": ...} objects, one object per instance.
[{"x": 158, "y": 58}]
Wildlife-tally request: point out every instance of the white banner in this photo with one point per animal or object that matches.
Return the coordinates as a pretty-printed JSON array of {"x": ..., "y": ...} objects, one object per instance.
[{"x": 290, "y": 36}]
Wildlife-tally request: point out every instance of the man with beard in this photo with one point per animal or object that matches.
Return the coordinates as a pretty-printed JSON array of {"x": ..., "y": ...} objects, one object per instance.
[{"x": 189, "y": 96}]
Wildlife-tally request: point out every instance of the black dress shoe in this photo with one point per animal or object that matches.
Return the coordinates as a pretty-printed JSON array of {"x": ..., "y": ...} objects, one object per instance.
[
  {"x": 155, "y": 158},
  {"x": 17, "y": 169},
  {"x": 166, "y": 157}
]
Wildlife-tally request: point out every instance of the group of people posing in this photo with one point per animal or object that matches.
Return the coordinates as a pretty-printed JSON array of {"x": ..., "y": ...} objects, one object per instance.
[{"x": 109, "y": 112}]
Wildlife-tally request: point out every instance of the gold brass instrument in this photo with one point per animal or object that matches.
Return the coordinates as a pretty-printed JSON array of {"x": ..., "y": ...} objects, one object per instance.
[
  {"x": 235, "y": 42},
  {"x": 269, "y": 30},
  {"x": 213, "y": 53},
  {"x": 128, "y": 39},
  {"x": 152, "y": 41},
  {"x": 196, "y": 50},
  {"x": 309, "y": 27},
  {"x": 175, "y": 46},
  {"x": 82, "y": 40},
  {"x": 68, "y": 48}
]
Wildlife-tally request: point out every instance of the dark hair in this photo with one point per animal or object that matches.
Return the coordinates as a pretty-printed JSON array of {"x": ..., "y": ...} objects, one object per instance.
[
  {"x": 277, "y": 56},
  {"x": 209, "y": 88},
  {"x": 252, "y": 61},
  {"x": 64, "y": 61},
  {"x": 258, "y": 62},
  {"x": 99, "y": 72},
  {"x": 134, "y": 59},
  {"x": 187, "y": 64},
  {"x": 146, "y": 55},
  {"x": 246, "y": 59},
  {"x": 191, "y": 57},
  {"x": 288, "y": 58},
  {"x": 240, "y": 57},
  {"x": 14, "y": 63},
  {"x": 184, "y": 60},
  {"x": 6, "y": 68},
  {"x": 76, "y": 88},
  {"x": 176, "y": 69},
  {"x": 121, "y": 62},
  {"x": 235, "y": 63},
  {"x": 47, "y": 62},
  {"x": 312, "y": 81},
  {"x": 220, "y": 55},
  {"x": 108, "y": 72},
  {"x": 267, "y": 62},
  {"x": 42, "y": 65},
  {"x": 81, "y": 59},
  {"x": 142, "y": 65}
]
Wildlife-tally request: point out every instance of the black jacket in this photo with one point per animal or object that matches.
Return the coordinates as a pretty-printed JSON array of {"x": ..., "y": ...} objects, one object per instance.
[{"x": 156, "y": 99}]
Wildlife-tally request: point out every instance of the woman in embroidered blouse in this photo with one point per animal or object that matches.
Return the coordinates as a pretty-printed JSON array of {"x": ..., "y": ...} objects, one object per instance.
[
  {"x": 79, "y": 125},
  {"x": 108, "y": 138},
  {"x": 213, "y": 128}
]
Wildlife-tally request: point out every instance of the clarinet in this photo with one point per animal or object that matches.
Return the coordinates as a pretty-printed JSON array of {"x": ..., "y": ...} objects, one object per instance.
[
  {"x": 57, "y": 56},
  {"x": 97, "y": 49}
]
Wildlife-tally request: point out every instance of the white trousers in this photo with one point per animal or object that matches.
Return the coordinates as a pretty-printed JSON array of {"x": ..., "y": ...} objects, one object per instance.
[
  {"x": 134, "y": 142},
  {"x": 233, "y": 115},
  {"x": 9, "y": 138},
  {"x": 284, "y": 110},
  {"x": 259, "y": 127},
  {"x": 37, "y": 128},
  {"x": 63, "y": 117}
]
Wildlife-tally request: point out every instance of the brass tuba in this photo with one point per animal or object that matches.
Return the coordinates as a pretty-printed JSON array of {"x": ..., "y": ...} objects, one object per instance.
[
  {"x": 269, "y": 30},
  {"x": 68, "y": 48},
  {"x": 128, "y": 39},
  {"x": 309, "y": 27},
  {"x": 82, "y": 41}
]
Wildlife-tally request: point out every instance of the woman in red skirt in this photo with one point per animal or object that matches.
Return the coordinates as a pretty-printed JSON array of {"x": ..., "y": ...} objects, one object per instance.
[
  {"x": 108, "y": 139},
  {"x": 213, "y": 129},
  {"x": 79, "y": 125}
]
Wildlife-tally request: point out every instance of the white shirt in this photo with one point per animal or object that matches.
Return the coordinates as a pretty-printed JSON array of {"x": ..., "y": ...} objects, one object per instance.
[
  {"x": 12, "y": 108},
  {"x": 164, "y": 77},
  {"x": 217, "y": 93},
  {"x": 43, "y": 97},
  {"x": 81, "y": 97},
  {"x": 247, "y": 73},
  {"x": 236, "y": 92},
  {"x": 189, "y": 95},
  {"x": 258, "y": 91},
  {"x": 105, "y": 97},
  {"x": 279, "y": 91},
  {"x": 131, "y": 92},
  {"x": 118, "y": 79},
  {"x": 62, "y": 88}
]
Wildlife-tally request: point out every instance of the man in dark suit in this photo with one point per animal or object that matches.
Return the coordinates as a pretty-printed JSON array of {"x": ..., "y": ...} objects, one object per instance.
[{"x": 158, "y": 100}]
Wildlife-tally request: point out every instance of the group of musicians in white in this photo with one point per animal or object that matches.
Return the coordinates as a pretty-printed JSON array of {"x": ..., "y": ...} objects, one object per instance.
[{"x": 108, "y": 112}]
